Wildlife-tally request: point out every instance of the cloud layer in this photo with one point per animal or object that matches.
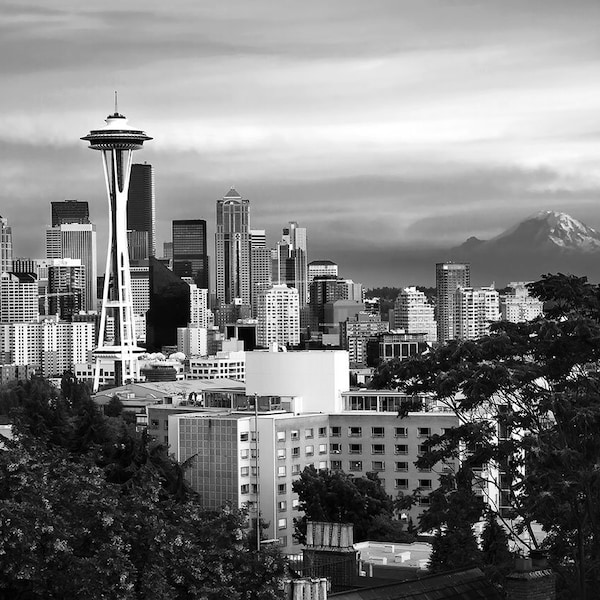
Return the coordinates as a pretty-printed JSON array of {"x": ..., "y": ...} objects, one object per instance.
[{"x": 386, "y": 128}]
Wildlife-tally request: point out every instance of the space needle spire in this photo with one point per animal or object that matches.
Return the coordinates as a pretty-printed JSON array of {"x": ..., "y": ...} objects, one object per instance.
[{"x": 117, "y": 140}]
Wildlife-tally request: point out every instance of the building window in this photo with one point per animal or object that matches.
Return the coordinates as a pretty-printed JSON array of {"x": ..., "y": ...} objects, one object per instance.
[
  {"x": 296, "y": 469},
  {"x": 355, "y": 448},
  {"x": 401, "y": 466},
  {"x": 282, "y": 506},
  {"x": 378, "y": 465},
  {"x": 281, "y": 436},
  {"x": 245, "y": 489},
  {"x": 295, "y": 504},
  {"x": 244, "y": 436},
  {"x": 309, "y": 433},
  {"x": 253, "y": 470},
  {"x": 244, "y": 453},
  {"x": 378, "y": 449},
  {"x": 424, "y": 470},
  {"x": 400, "y": 432},
  {"x": 336, "y": 465},
  {"x": 245, "y": 471},
  {"x": 281, "y": 453},
  {"x": 354, "y": 431},
  {"x": 295, "y": 434},
  {"x": 335, "y": 431},
  {"x": 356, "y": 465},
  {"x": 155, "y": 423},
  {"x": 401, "y": 449},
  {"x": 425, "y": 484},
  {"x": 281, "y": 471},
  {"x": 322, "y": 448},
  {"x": 423, "y": 431},
  {"x": 281, "y": 488},
  {"x": 421, "y": 449},
  {"x": 424, "y": 501},
  {"x": 401, "y": 484},
  {"x": 282, "y": 523},
  {"x": 377, "y": 432},
  {"x": 253, "y": 453},
  {"x": 335, "y": 448},
  {"x": 295, "y": 451},
  {"x": 322, "y": 465},
  {"x": 322, "y": 431},
  {"x": 309, "y": 450}
]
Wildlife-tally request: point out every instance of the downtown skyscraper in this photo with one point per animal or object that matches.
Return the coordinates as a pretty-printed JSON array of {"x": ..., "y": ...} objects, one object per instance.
[
  {"x": 6, "y": 247},
  {"x": 141, "y": 204},
  {"x": 291, "y": 267},
  {"x": 449, "y": 276},
  {"x": 70, "y": 211},
  {"x": 190, "y": 258},
  {"x": 232, "y": 249}
]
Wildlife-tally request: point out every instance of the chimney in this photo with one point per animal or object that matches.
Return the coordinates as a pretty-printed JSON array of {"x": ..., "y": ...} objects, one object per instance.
[
  {"x": 532, "y": 579},
  {"x": 305, "y": 589}
]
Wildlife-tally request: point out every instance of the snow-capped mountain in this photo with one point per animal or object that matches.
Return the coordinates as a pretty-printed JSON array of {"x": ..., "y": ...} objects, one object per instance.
[{"x": 546, "y": 242}]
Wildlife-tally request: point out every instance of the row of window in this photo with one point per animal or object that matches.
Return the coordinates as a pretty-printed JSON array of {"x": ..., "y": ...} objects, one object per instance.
[
  {"x": 309, "y": 433},
  {"x": 376, "y": 465},
  {"x": 375, "y": 448},
  {"x": 380, "y": 432},
  {"x": 295, "y": 452}
]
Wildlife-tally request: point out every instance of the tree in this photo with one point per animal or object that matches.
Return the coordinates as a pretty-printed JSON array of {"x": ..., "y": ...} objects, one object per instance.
[
  {"x": 90, "y": 508},
  {"x": 338, "y": 497},
  {"x": 528, "y": 406},
  {"x": 495, "y": 554},
  {"x": 114, "y": 408}
]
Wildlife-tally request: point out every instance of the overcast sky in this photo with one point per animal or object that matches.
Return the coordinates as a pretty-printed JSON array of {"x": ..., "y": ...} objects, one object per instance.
[{"x": 384, "y": 127}]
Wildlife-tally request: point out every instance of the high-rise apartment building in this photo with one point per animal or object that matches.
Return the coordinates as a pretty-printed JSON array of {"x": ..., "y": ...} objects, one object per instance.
[
  {"x": 290, "y": 264},
  {"x": 448, "y": 277},
  {"x": 19, "y": 300},
  {"x": 357, "y": 331},
  {"x": 77, "y": 240},
  {"x": 232, "y": 248},
  {"x": 6, "y": 246},
  {"x": 278, "y": 316},
  {"x": 414, "y": 314},
  {"x": 70, "y": 211},
  {"x": 517, "y": 305},
  {"x": 141, "y": 205},
  {"x": 475, "y": 309},
  {"x": 190, "y": 258},
  {"x": 200, "y": 314}
]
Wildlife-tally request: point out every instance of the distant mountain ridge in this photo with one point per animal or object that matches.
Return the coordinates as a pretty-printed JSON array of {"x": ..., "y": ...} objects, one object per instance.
[{"x": 547, "y": 241}]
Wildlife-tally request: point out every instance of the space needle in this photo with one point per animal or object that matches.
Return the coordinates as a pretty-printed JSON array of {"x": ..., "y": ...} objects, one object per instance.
[{"x": 117, "y": 140}]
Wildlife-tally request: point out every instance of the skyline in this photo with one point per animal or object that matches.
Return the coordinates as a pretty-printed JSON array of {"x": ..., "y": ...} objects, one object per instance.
[{"x": 451, "y": 118}]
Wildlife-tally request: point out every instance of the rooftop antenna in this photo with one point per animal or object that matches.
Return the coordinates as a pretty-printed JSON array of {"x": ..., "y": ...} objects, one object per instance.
[{"x": 116, "y": 104}]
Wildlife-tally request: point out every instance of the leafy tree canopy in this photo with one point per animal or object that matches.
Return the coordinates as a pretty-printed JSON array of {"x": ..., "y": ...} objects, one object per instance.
[
  {"x": 338, "y": 497},
  {"x": 89, "y": 508}
]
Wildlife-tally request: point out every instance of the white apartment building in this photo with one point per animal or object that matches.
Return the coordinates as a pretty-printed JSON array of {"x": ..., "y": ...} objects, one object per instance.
[
  {"x": 19, "y": 299},
  {"x": 200, "y": 314},
  {"x": 192, "y": 340},
  {"x": 518, "y": 306},
  {"x": 223, "y": 365},
  {"x": 278, "y": 315},
  {"x": 475, "y": 309},
  {"x": 414, "y": 314},
  {"x": 56, "y": 346}
]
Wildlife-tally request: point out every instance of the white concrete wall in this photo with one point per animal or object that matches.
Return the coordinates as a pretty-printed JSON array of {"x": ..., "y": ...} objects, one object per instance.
[{"x": 317, "y": 376}]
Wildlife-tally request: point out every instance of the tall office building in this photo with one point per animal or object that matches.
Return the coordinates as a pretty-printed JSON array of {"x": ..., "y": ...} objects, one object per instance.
[
  {"x": 77, "y": 240},
  {"x": 18, "y": 297},
  {"x": 116, "y": 141},
  {"x": 260, "y": 265},
  {"x": 448, "y": 277},
  {"x": 517, "y": 305},
  {"x": 6, "y": 248},
  {"x": 66, "y": 288},
  {"x": 475, "y": 309},
  {"x": 190, "y": 258},
  {"x": 141, "y": 204},
  {"x": 290, "y": 264},
  {"x": 414, "y": 314},
  {"x": 70, "y": 211},
  {"x": 232, "y": 248},
  {"x": 321, "y": 268},
  {"x": 278, "y": 316},
  {"x": 137, "y": 242}
]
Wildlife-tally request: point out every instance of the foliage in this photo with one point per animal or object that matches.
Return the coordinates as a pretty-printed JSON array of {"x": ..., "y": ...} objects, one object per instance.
[
  {"x": 89, "y": 508},
  {"x": 527, "y": 397},
  {"x": 495, "y": 554},
  {"x": 114, "y": 408},
  {"x": 335, "y": 496}
]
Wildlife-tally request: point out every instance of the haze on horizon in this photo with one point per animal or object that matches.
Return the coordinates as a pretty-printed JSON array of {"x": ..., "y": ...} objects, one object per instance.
[{"x": 388, "y": 129}]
